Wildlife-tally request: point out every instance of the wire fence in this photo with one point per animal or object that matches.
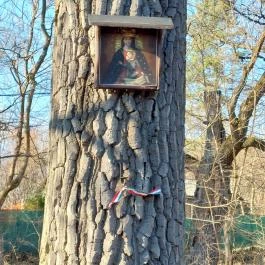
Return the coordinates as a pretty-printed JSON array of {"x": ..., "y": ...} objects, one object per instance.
[{"x": 20, "y": 231}]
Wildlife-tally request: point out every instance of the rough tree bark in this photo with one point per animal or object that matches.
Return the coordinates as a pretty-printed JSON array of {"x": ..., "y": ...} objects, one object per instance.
[{"x": 101, "y": 141}]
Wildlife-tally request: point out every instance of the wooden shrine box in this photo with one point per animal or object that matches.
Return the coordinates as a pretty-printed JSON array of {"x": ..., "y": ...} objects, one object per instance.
[{"x": 128, "y": 51}]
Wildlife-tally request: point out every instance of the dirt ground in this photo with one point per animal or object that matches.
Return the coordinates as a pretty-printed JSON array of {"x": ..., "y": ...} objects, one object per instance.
[{"x": 20, "y": 259}]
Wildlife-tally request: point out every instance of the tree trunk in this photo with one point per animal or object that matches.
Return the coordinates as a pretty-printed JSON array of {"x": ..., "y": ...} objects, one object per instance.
[
  {"x": 228, "y": 243},
  {"x": 212, "y": 197},
  {"x": 212, "y": 189},
  {"x": 101, "y": 141}
]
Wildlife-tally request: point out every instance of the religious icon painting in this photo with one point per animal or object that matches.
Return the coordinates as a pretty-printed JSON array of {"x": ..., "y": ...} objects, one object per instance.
[{"x": 127, "y": 58}]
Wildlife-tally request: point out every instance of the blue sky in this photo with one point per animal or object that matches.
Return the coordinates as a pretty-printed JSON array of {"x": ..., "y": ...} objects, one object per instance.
[
  {"x": 15, "y": 18},
  {"x": 41, "y": 104}
]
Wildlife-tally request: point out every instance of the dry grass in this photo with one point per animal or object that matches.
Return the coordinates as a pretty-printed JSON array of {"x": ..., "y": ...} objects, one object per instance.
[{"x": 20, "y": 259}]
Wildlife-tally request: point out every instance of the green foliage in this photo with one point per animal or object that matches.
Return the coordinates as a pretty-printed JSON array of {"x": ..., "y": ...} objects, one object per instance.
[
  {"x": 214, "y": 34},
  {"x": 35, "y": 202},
  {"x": 216, "y": 40}
]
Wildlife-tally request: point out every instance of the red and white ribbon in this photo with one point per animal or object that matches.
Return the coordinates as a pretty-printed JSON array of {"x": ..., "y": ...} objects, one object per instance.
[{"x": 118, "y": 195}]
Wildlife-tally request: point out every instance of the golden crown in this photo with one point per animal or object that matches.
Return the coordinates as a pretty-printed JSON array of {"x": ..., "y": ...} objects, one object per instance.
[{"x": 128, "y": 33}]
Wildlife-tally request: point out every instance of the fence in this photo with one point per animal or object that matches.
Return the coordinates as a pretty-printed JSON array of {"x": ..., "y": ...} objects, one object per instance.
[
  {"x": 20, "y": 231},
  {"x": 246, "y": 231}
]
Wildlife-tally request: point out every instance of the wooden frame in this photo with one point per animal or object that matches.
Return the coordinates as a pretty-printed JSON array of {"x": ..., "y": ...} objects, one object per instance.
[
  {"x": 136, "y": 68},
  {"x": 131, "y": 21},
  {"x": 128, "y": 51}
]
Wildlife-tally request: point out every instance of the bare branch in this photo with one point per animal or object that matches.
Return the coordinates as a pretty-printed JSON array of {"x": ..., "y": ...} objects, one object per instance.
[
  {"x": 254, "y": 142},
  {"x": 11, "y": 105},
  {"x": 27, "y": 91},
  {"x": 12, "y": 156},
  {"x": 31, "y": 34},
  {"x": 37, "y": 155},
  {"x": 242, "y": 82},
  {"x": 257, "y": 20},
  {"x": 248, "y": 106},
  {"x": 46, "y": 45}
]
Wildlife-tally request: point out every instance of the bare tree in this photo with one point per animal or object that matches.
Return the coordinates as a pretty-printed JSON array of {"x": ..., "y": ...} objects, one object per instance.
[{"x": 24, "y": 48}]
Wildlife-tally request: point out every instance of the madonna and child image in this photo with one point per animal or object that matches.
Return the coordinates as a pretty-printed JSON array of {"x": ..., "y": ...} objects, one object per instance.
[{"x": 128, "y": 57}]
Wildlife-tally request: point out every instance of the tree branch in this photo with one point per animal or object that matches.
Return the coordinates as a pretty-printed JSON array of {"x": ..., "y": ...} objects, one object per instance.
[
  {"x": 257, "y": 20},
  {"x": 46, "y": 45},
  {"x": 254, "y": 142},
  {"x": 249, "y": 105},
  {"x": 20, "y": 163},
  {"x": 242, "y": 82}
]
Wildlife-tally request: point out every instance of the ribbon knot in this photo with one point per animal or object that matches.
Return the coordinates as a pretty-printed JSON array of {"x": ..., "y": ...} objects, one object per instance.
[{"x": 118, "y": 195}]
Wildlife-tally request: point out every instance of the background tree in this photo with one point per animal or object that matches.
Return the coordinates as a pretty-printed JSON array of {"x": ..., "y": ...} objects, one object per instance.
[
  {"x": 35, "y": 175},
  {"x": 227, "y": 57},
  {"x": 96, "y": 134},
  {"x": 24, "y": 43}
]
